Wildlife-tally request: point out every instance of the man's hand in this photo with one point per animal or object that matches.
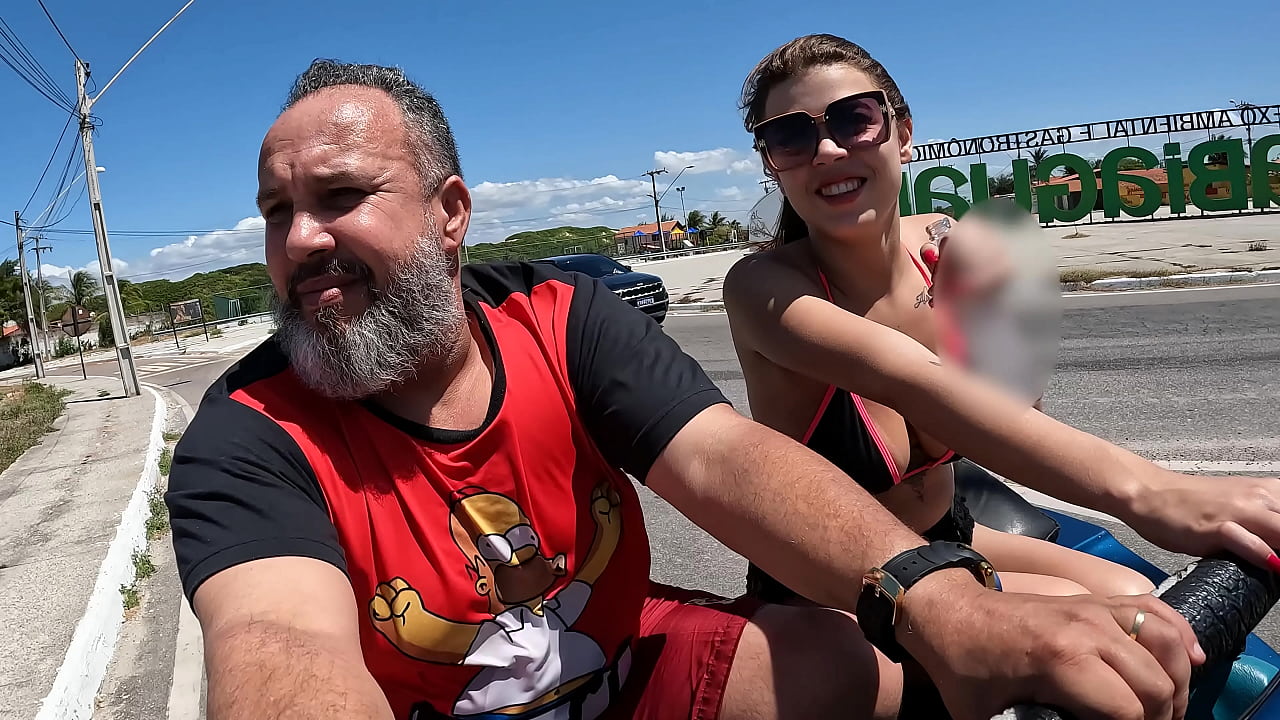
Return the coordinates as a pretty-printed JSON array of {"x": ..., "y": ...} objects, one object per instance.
[
  {"x": 988, "y": 651},
  {"x": 1200, "y": 515}
]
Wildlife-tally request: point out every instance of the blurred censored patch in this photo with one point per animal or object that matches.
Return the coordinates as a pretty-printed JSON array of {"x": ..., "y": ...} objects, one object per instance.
[{"x": 997, "y": 293}]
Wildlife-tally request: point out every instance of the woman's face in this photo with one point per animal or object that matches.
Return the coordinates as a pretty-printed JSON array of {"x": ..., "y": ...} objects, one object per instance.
[{"x": 840, "y": 193}]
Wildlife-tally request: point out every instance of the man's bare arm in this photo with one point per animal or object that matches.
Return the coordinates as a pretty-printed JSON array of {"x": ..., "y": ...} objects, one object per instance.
[
  {"x": 786, "y": 508},
  {"x": 281, "y": 641}
]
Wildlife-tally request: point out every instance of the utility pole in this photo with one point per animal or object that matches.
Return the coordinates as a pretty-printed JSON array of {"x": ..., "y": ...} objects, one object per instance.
[
  {"x": 44, "y": 314},
  {"x": 26, "y": 294},
  {"x": 657, "y": 216},
  {"x": 119, "y": 331}
]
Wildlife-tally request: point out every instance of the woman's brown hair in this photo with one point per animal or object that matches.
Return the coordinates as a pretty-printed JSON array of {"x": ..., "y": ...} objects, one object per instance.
[{"x": 792, "y": 59}]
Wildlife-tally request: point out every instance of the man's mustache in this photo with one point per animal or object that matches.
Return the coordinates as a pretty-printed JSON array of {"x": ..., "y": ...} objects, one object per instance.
[{"x": 328, "y": 266}]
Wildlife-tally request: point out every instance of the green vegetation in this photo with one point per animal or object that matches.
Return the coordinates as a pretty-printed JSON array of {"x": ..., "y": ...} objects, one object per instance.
[
  {"x": 534, "y": 244},
  {"x": 27, "y": 412},
  {"x": 131, "y": 597},
  {"x": 158, "y": 520},
  {"x": 166, "y": 460},
  {"x": 171, "y": 437},
  {"x": 1088, "y": 275}
]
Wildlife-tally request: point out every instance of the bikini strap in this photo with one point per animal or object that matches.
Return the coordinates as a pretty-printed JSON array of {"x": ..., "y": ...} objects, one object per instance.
[
  {"x": 825, "y": 285},
  {"x": 928, "y": 281}
]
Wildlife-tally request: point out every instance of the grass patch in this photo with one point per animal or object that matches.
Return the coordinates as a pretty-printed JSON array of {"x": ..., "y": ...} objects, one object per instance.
[
  {"x": 216, "y": 332},
  {"x": 143, "y": 568},
  {"x": 1084, "y": 276},
  {"x": 132, "y": 598},
  {"x": 172, "y": 437},
  {"x": 158, "y": 520},
  {"x": 166, "y": 460},
  {"x": 104, "y": 393},
  {"x": 27, "y": 412}
]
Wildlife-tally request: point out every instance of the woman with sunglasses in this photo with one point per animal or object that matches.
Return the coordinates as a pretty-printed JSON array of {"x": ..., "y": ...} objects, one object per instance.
[{"x": 841, "y": 351}]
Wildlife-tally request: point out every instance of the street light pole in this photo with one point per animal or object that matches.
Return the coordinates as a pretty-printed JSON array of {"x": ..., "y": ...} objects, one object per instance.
[
  {"x": 682, "y": 210},
  {"x": 36, "y": 354},
  {"x": 119, "y": 330},
  {"x": 657, "y": 216}
]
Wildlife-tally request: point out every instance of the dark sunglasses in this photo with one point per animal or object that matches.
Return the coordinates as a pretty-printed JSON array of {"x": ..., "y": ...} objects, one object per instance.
[{"x": 790, "y": 140}]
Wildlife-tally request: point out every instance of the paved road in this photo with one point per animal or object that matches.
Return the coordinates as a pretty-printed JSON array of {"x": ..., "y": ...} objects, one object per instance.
[{"x": 1175, "y": 375}]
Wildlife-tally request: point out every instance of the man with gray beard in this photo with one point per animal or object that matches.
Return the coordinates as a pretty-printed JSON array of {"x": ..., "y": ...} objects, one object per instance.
[
  {"x": 414, "y": 502},
  {"x": 415, "y": 320}
]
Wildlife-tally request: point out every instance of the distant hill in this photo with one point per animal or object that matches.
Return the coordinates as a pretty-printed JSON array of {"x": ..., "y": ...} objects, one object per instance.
[
  {"x": 533, "y": 244},
  {"x": 155, "y": 295}
]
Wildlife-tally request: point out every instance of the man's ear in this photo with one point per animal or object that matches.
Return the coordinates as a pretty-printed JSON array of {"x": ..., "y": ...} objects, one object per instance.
[
  {"x": 905, "y": 129},
  {"x": 452, "y": 209}
]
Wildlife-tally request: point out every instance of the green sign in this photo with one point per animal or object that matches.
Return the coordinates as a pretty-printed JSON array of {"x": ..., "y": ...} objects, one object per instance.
[{"x": 1212, "y": 176}]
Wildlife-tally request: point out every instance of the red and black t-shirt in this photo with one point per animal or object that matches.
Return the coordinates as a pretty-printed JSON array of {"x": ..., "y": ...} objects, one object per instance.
[{"x": 499, "y": 572}]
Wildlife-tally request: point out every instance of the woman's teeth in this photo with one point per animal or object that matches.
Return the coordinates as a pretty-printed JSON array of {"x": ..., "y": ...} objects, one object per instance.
[{"x": 841, "y": 187}]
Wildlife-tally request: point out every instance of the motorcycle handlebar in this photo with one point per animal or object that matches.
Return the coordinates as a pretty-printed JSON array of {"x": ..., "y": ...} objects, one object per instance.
[{"x": 1222, "y": 598}]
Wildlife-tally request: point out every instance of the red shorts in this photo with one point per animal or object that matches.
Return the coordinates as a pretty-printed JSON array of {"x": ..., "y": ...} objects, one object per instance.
[{"x": 682, "y": 658}]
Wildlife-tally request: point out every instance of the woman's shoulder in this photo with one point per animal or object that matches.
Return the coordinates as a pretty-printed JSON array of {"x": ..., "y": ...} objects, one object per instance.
[{"x": 766, "y": 268}]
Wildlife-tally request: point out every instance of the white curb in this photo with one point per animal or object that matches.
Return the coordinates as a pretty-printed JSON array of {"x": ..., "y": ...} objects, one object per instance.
[
  {"x": 1220, "y": 277},
  {"x": 94, "y": 641}
]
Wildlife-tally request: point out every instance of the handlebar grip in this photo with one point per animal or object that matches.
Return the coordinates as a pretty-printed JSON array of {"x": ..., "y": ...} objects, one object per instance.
[{"x": 1222, "y": 598}]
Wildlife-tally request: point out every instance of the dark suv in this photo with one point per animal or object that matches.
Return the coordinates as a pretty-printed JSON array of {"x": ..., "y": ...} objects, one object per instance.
[{"x": 645, "y": 292}]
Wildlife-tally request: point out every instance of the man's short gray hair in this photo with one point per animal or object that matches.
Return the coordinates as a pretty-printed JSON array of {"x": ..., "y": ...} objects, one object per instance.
[{"x": 430, "y": 137}]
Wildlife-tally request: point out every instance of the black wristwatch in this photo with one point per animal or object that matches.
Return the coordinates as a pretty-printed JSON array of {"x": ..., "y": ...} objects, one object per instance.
[{"x": 881, "y": 600}]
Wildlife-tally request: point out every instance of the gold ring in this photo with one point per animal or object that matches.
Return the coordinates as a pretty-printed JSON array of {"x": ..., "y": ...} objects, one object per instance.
[{"x": 1136, "y": 628}]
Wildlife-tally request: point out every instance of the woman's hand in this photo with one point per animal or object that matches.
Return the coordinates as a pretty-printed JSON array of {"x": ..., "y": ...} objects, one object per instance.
[{"x": 1203, "y": 515}]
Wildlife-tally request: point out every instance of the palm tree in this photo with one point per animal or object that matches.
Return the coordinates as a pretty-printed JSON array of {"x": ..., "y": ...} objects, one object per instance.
[
  {"x": 1001, "y": 184},
  {"x": 695, "y": 220},
  {"x": 11, "y": 302},
  {"x": 83, "y": 287},
  {"x": 716, "y": 221},
  {"x": 1037, "y": 156}
]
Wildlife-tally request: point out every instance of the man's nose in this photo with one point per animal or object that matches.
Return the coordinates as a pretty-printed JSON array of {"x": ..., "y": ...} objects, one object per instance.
[{"x": 307, "y": 238}]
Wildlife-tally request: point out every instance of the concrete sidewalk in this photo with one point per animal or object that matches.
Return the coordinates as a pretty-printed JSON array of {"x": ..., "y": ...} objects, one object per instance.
[{"x": 74, "y": 509}]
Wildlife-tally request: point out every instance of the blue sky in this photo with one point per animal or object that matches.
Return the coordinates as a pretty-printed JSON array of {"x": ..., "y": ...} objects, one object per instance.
[{"x": 552, "y": 101}]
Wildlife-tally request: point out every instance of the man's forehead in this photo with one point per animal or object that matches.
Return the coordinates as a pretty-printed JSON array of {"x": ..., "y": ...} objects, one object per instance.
[{"x": 341, "y": 115}]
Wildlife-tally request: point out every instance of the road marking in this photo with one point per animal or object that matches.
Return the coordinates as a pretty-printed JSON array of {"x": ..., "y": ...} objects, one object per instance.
[
  {"x": 153, "y": 370},
  {"x": 237, "y": 346}
]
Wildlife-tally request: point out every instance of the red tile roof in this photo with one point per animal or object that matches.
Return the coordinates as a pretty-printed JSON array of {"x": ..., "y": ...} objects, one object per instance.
[{"x": 648, "y": 229}]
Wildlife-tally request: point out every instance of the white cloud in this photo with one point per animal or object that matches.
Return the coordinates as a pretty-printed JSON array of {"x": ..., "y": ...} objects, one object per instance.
[
  {"x": 499, "y": 210},
  {"x": 491, "y": 196},
  {"x": 240, "y": 244},
  {"x": 725, "y": 160},
  {"x": 61, "y": 274}
]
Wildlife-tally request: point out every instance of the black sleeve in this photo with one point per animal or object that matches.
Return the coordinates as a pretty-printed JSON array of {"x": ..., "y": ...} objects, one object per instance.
[
  {"x": 240, "y": 489},
  {"x": 635, "y": 387}
]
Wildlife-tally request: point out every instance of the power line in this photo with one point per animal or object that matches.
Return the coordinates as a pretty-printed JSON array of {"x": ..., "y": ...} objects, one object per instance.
[
  {"x": 52, "y": 155},
  {"x": 59, "y": 30},
  {"x": 14, "y": 53}
]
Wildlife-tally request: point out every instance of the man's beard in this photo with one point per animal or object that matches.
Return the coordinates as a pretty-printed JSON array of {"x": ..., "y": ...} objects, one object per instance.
[{"x": 414, "y": 322}]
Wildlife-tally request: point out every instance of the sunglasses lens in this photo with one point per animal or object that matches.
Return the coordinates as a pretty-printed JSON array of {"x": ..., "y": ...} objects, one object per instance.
[
  {"x": 789, "y": 140},
  {"x": 857, "y": 122}
]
